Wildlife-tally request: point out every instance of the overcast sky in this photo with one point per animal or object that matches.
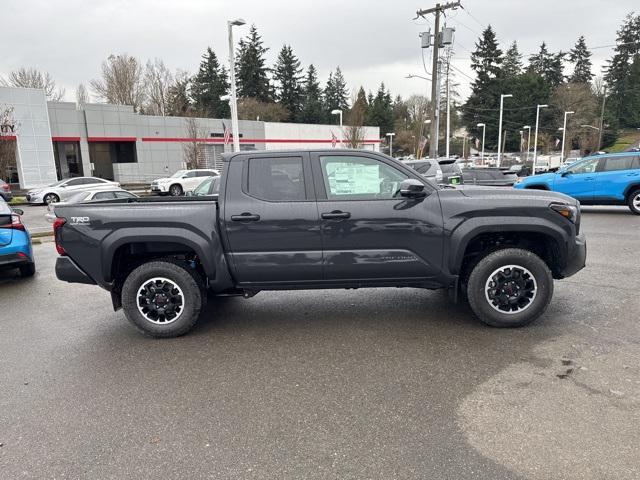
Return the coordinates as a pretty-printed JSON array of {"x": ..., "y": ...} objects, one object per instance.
[{"x": 372, "y": 41}]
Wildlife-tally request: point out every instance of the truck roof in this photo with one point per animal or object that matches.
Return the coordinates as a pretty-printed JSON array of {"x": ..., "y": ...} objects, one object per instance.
[{"x": 226, "y": 157}]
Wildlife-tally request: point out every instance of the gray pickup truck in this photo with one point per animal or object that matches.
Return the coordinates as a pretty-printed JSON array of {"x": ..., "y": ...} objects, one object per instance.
[{"x": 338, "y": 218}]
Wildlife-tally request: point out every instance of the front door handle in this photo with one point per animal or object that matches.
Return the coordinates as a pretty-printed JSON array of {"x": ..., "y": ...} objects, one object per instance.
[
  {"x": 590, "y": 178},
  {"x": 632, "y": 174},
  {"x": 336, "y": 214},
  {"x": 245, "y": 217}
]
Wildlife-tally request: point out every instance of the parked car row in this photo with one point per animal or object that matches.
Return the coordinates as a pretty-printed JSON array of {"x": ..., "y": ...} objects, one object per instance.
[
  {"x": 15, "y": 242},
  {"x": 181, "y": 182},
  {"x": 450, "y": 172},
  {"x": 65, "y": 188}
]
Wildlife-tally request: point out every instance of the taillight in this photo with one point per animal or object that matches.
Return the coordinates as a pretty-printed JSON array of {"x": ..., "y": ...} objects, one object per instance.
[
  {"x": 57, "y": 224},
  {"x": 5, "y": 187}
]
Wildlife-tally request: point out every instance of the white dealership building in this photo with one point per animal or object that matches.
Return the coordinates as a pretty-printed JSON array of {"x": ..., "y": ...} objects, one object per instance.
[{"x": 55, "y": 140}]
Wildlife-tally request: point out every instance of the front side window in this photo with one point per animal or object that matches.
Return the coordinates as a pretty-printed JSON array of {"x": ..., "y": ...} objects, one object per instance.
[
  {"x": 203, "y": 188},
  {"x": 75, "y": 182},
  {"x": 584, "y": 167},
  {"x": 276, "y": 179},
  {"x": 618, "y": 163},
  {"x": 124, "y": 195},
  {"x": 359, "y": 178},
  {"x": 190, "y": 175},
  {"x": 104, "y": 196}
]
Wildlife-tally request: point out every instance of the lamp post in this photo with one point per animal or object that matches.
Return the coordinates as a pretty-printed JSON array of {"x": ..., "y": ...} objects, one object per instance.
[
  {"x": 564, "y": 134},
  {"x": 484, "y": 128},
  {"x": 528, "y": 128},
  {"x": 502, "y": 97},
  {"x": 232, "y": 76},
  {"x": 535, "y": 140},
  {"x": 338, "y": 112},
  {"x": 390, "y": 135}
]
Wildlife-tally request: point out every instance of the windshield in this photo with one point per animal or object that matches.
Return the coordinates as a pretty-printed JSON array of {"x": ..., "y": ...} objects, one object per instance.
[
  {"x": 423, "y": 168},
  {"x": 178, "y": 174},
  {"x": 59, "y": 182},
  {"x": 203, "y": 188},
  {"x": 78, "y": 197},
  {"x": 450, "y": 168}
]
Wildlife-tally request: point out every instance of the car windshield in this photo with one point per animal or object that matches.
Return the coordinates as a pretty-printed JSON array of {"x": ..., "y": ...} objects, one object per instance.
[
  {"x": 59, "y": 182},
  {"x": 424, "y": 168},
  {"x": 452, "y": 167},
  {"x": 178, "y": 174},
  {"x": 203, "y": 188},
  {"x": 78, "y": 197}
]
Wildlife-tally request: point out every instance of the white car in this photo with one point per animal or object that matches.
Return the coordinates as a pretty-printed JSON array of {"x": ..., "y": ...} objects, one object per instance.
[
  {"x": 182, "y": 181},
  {"x": 107, "y": 194},
  {"x": 63, "y": 189}
]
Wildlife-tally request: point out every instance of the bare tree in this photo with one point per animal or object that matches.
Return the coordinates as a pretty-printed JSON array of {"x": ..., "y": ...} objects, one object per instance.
[
  {"x": 157, "y": 80},
  {"x": 82, "y": 96},
  {"x": 353, "y": 133},
  {"x": 252, "y": 109},
  {"x": 122, "y": 81},
  {"x": 191, "y": 149},
  {"x": 32, "y": 78},
  {"x": 8, "y": 128}
]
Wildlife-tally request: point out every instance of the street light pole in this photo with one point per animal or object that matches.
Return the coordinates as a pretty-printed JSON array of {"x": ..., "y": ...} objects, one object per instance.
[
  {"x": 390, "y": 135},
  {"x": 484, "y": 128},
  {"x": 564, "y": 134},
  {"x": 535, "y": 141},
  {"x": 528, "y": 128},
  {"x": 502, "y": 97},
  {"x": 232, "y": 76},
  {"x": 338, "y": 112}
]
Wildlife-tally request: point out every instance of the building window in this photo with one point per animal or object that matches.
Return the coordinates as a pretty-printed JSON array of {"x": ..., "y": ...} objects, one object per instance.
[
  {"x": 124, "y": 152},
  {"x": 68, "y": 159}
]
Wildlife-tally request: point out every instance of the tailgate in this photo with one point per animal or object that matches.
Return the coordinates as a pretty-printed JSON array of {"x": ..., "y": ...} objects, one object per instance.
[{"x": 6, "y": 234}]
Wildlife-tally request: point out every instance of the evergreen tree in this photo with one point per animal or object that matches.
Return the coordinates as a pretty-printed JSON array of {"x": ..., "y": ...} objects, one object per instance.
[
  {"x": 381, "y": 111},
  {"x": 512, "y": 64},
  {"x": 312, "y": 111},
  {"x": 486, "y": 60},
  {"x": 208, "y": 85},
  {"x": 335, "y": 94},
  {"x": 619, "y": 70},
  {"x": 251, "y": 71},
  {"x": 580, "y": 56},
  {"x": 288, "y": 80},
  {"x": 633, "y": 96},
  {"x": 548, "y": 65},
  {"x": 178, "y": 102}
]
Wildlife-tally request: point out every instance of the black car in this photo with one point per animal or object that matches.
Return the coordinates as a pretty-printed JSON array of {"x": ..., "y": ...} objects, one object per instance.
[{"x": 492, "y": 177}]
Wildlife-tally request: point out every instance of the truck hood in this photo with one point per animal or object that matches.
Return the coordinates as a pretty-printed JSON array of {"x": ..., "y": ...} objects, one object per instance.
[{"x": 515, "y": 196}]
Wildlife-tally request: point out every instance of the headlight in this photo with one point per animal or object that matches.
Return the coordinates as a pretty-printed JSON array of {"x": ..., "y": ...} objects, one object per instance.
[{"x": 570, "y": 212}]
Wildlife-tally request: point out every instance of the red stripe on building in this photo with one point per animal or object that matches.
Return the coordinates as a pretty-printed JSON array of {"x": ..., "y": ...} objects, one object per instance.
[
  {"x": 65, "y": 139},
  {"x": 8, "y": 137},
  {"x": 244, "y": 140},
  {"x": 111, "y": 139}
]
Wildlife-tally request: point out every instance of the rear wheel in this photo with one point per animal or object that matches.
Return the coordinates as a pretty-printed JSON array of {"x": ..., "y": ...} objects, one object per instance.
[
  {"x": 51, "y": 198},
  {"x": 634, "y": 201},
  {"x": 175, "y": 190},
  {"x": 163, "y": 298},
  {"x": 510, "y": 288},
  {"x": 28, "y": 270}
]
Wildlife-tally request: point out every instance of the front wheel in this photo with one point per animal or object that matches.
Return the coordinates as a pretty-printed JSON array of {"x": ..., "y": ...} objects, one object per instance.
[
  {"x": 163, "y": 298},
  {"x": 510, "y": 288},
  {"x": 51, "y": 198},
  {"x": 175, "y": 190},
  {"x": 634, "y": 201}
]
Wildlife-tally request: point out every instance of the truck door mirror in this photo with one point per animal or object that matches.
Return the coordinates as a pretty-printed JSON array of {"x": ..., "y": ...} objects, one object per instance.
[{"x": 412, "y": 188}]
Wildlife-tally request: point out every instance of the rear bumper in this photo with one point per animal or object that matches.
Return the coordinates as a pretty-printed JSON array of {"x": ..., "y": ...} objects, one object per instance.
[
  {"x": 14, "y": 260},
  {"x": 68, "y": 271},
  {"x": 576, "y": 257}
]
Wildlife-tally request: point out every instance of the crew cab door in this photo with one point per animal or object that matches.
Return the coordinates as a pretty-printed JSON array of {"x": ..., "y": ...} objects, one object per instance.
[
  {"x": 371, "y": 234},
  {"x": 579, "y": 180},
  {"x": 271, "y": 220},
  {"x": 614, "y": 176}
]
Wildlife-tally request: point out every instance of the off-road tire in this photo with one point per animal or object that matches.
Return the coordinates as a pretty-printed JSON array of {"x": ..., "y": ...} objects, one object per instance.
[
  {"x": 180, "y": 274},
  {"x": 479, "y": 298}
]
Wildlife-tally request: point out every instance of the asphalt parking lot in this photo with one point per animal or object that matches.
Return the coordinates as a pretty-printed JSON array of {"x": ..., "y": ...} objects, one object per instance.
[{"x": 389, "y": 383}]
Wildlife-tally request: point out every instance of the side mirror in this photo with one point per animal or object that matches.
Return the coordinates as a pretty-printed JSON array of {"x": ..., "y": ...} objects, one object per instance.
[
  {"x": 564, "y": 173},
  {"x": 19, "y": 211},
  {"x": 412, "y": 188},
  {"x": 189, "y": 193}
]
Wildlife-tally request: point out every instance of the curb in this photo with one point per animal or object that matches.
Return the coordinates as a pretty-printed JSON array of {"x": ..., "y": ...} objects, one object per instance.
[{"x": 42, "y": 234}]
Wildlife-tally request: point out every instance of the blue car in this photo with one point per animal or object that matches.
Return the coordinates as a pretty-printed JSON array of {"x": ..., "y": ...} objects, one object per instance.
[
  {"x": 607, "y": 179},
  {"x": 15, "y": 242}
]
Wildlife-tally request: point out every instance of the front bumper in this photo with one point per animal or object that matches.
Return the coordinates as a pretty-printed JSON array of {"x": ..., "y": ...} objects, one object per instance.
[
  {"x": 576, "y": 257},
  {"x": 68, "y": 271},
  {"x": 36, "y": 199},
  {"x": 160, "y": 188}
]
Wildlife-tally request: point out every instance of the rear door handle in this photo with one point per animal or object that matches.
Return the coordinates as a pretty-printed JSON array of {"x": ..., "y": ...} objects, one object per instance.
[
  {"x": 335, "y": 214},
  {"x": 245, "y": 217}
]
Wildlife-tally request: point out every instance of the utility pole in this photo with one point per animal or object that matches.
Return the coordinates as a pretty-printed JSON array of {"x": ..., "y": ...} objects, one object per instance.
[
  {"x": 604, "y": 98},
  {"x": 448, "y": 105},
  {"x": 435, "y": 94}
]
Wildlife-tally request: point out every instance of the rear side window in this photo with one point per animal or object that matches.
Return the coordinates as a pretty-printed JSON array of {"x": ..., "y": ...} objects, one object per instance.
[
  {"x": 104, "y": 196},
  {"x": 75, "y": 182},
  {"x": 612, "y": 164},
  {"x": 276, "y": 179},
  {"x": 423, "y": 168},
  {"x": 124, "y": 195}
]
